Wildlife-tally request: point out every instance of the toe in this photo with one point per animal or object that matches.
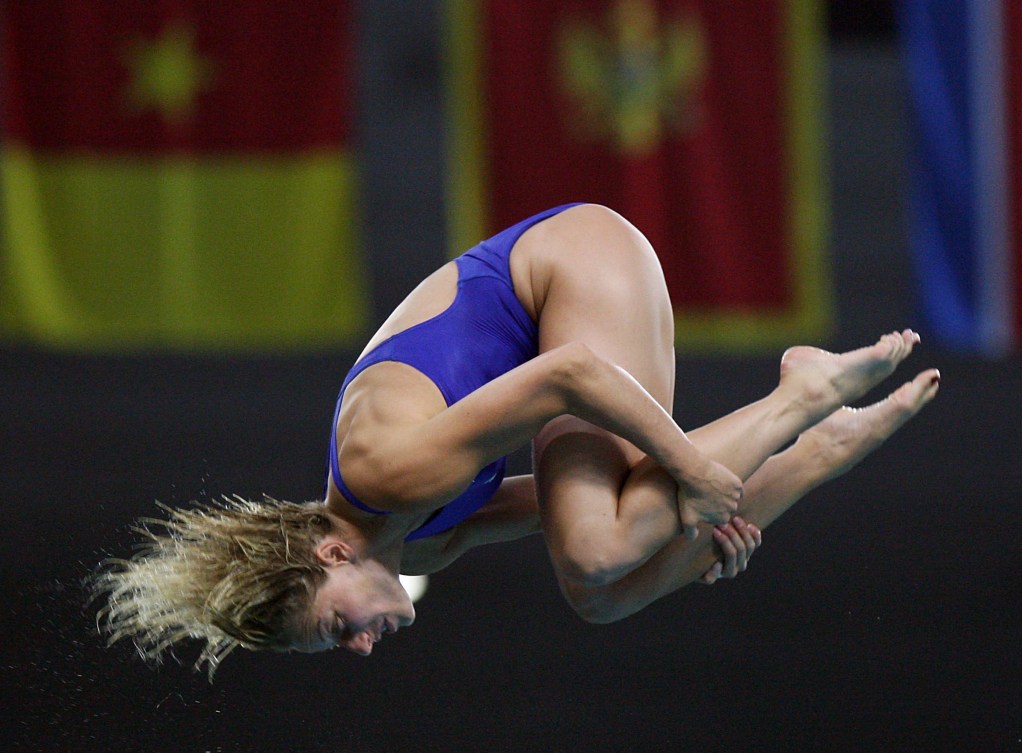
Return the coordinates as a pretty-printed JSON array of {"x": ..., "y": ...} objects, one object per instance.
[{"x": 917, "y": 393}]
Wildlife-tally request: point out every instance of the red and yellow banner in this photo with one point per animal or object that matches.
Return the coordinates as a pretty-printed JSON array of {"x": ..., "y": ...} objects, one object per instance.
[
  {"x": 178, "y": 174},
  {"x": 698, "y": 120}
]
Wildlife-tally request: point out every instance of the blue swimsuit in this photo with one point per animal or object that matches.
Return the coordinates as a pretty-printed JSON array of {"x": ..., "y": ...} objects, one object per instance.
[{"x": 484, "y": 333}]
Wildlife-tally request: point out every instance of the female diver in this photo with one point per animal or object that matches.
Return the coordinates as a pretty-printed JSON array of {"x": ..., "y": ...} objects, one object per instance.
[{"x": 557, "y": 331}]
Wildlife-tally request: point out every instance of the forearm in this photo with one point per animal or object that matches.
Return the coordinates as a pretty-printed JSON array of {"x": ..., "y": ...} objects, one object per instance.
[
  {"x": 609, "y": 397},
  {"x": 512, "y": 514},
  {"x": 437, "y": 458}
]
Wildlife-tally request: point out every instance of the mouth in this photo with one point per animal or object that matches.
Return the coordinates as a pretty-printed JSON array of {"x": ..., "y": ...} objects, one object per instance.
[{"x": 385, "y": 627}]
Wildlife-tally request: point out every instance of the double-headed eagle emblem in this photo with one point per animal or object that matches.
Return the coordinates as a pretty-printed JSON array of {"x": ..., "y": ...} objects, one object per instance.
[{"x": 634, "y": 80}]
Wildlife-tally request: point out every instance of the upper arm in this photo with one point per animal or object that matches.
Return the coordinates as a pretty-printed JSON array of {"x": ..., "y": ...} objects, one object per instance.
[
  {"x": 417, "y": 465},
  {"x": 511, "y": 514}
]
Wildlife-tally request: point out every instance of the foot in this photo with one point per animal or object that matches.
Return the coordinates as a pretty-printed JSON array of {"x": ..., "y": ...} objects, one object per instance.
[
  {"x": 848, "y": 435},
  {"x": 821, "y": 381}
]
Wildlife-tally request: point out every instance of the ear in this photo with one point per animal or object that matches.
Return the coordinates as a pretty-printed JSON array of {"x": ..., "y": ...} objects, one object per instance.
[{"x": 332, "y": 552}]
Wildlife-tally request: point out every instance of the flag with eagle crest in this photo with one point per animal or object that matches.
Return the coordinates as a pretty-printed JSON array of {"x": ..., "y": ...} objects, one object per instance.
[{"x": 699, "y": 121}]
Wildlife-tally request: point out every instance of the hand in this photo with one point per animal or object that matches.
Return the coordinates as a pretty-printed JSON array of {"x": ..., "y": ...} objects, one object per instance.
[
  {"x": 737, "y": 541},
  {"x": 710, "y": 496}
]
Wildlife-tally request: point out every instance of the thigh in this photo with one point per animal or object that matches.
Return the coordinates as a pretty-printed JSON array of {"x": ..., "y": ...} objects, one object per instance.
[{"x": 601, "y": 284}]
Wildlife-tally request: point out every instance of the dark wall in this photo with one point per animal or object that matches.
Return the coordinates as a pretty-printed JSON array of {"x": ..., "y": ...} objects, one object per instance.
[
  {"x": 870, "y": 21},
  {"x": 881, "y": 614}
]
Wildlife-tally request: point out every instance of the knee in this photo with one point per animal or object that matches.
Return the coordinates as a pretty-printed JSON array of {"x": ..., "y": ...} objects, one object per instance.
[
  {"x": 592, "y": 564},
  {"x": 593, "y": 604}
]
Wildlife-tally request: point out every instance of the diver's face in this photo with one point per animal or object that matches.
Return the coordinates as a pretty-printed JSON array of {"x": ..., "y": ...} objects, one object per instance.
[{"x": 360, "y": 602}]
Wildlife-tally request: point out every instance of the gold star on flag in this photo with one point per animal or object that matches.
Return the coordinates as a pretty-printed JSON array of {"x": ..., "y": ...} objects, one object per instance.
[{"x": 168, "y": 74}]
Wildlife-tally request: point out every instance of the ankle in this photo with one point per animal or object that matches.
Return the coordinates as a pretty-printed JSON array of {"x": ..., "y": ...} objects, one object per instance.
[
  {"x": 802, "y": 404},
  {"x": 817, "y": 457}
]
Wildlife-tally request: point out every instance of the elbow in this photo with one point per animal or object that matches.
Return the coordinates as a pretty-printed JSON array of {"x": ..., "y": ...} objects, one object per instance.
[{"x": 576, "y": 369}]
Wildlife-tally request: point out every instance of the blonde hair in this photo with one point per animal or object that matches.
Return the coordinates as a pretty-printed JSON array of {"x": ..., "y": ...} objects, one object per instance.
[{"x": 233, "y": 573}]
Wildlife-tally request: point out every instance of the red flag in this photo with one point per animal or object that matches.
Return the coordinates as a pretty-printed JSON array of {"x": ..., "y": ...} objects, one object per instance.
[{"x": 697, "y": 120}]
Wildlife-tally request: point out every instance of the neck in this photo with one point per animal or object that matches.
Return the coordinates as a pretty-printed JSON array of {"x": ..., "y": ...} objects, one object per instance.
[{"x": 378, "y": 537}]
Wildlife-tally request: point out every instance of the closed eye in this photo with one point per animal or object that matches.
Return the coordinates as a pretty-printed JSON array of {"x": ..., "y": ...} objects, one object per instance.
[{"x": 340, "y": 627}]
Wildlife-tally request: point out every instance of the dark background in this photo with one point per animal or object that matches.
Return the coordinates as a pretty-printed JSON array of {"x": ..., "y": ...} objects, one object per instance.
[{"x": 881, "y": 615}]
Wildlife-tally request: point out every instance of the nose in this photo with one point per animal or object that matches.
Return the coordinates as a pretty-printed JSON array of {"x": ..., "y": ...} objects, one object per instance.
[{"x": 407, "y": 618}]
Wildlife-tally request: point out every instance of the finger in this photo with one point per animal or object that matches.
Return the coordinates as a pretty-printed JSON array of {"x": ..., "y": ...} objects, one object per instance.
[
  {"x": 717, "y": 517},
  {"x": 732, "y": 499},
  {"x": 711, "y": 575},
  {"x": 729, "y": 569},
  {"x": 736, "y": 496},
  {"x": 690, "y": 520},
  {"x": 757, "y": 534},
  {"x": 741, "y": 551},
  {"x": 746, "y": 533}
]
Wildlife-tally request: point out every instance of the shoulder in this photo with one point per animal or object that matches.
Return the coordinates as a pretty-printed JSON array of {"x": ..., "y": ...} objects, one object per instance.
[{"x": 385, "y": 404}]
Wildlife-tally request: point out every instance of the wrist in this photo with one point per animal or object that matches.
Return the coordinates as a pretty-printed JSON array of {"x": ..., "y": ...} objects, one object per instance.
[{"x": 686, "y": 464}]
